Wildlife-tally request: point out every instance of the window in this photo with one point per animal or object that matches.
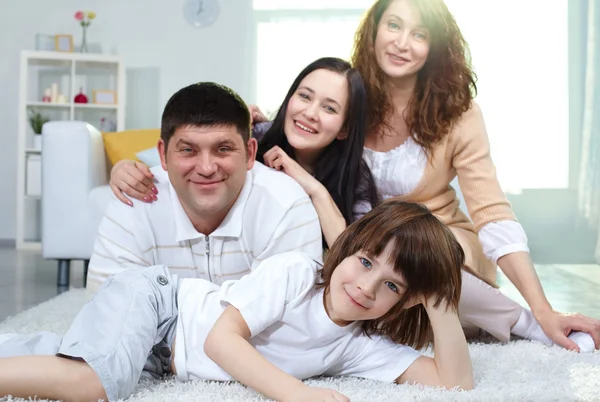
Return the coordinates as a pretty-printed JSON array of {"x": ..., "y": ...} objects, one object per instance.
[{"x": 520, "y": 54}]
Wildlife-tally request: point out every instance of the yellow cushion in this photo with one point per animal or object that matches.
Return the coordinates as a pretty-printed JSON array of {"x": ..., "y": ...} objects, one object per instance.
[{"x": 125, "y": 144}]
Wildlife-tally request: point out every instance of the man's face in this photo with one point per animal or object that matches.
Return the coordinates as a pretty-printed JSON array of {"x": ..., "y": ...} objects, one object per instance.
[{"x": 207, "y": 167}]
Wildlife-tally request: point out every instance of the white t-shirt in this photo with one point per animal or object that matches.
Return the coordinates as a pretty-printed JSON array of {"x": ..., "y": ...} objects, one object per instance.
[
  {"x": 271, "y": 215},
  {"x": 288, "y": 323}
]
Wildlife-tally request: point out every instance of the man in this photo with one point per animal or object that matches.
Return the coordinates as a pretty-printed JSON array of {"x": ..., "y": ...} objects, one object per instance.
[{"x": 219, "y": 213}]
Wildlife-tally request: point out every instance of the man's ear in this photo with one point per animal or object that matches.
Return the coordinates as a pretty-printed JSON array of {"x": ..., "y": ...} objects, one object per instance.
[
  {"x": 162, "y": 152},
  {"x": 251, "y": 150}
]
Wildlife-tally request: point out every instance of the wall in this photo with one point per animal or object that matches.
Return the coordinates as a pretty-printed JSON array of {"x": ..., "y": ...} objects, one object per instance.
[{"x": 158, "y": 47}]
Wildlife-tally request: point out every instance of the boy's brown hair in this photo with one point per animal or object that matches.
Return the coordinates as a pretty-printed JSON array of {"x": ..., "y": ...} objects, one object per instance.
[{"x": 424, "y": 251}]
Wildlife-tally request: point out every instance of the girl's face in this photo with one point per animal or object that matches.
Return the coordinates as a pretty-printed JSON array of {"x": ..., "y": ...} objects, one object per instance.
[
  {"x": 402, "y": 43},
  {"x": 363, "y": 288},
  {"x": 316, "y": 112}
]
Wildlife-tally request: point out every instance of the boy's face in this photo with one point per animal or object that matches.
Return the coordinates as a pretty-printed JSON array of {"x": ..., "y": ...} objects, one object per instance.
[
  {"x": 207, "y": 167},
  {"x": 363, "y": 288}
]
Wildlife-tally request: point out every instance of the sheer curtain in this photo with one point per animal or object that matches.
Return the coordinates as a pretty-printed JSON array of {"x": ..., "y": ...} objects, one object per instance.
[
  {"x": 518, "y": 48},
  {"x": 589, "y": 177}
]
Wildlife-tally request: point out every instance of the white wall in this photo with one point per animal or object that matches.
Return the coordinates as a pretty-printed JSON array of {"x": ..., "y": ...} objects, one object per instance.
[{"x": 146, "y": 33}]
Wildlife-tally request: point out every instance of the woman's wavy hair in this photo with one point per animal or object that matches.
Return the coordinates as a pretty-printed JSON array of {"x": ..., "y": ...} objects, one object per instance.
[
  {"x": 340, "y": 166},
  {"x": 424, "y": 252},
  {"x": 445, "y": 85}
]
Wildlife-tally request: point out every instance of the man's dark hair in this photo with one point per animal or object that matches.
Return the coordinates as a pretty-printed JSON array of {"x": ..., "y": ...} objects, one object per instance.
[{"x": 205, "y": 104}]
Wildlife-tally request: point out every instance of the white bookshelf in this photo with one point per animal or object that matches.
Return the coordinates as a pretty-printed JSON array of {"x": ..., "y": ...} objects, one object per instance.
[{"x": 71, "y": 71}]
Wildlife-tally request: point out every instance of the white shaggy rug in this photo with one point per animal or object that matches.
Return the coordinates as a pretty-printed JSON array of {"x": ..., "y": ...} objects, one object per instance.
[{"x": 518, "y": 371}]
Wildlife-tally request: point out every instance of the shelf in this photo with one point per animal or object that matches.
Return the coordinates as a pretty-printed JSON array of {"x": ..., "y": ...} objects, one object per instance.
[
  {"x": 68, "y": 105},
  {"x": 73, "y": 72},
  {"x": 48, "y": 104},
  {"x": 30, "y": 245},
  {"x": 68, "y": 56},
  {"x": 93, "y": 106}
]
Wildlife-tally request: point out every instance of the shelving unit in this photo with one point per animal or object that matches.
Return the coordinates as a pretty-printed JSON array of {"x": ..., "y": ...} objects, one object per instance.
[{"x": 72, "y": 72}]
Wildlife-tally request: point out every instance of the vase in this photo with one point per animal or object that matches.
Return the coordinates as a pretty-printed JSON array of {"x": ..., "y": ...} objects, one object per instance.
[
  {"x": 37, "y": 141},
  {"x": 83, "y": 48}
]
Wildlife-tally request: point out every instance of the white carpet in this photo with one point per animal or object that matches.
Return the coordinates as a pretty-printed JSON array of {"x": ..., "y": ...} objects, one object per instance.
[{"x": 518, "y": 371}]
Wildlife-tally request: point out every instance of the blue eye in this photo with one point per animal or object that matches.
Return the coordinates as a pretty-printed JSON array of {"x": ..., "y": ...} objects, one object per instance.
[
  {"x": 330, "y": 109},
  {"x": 186, "y": 150},
  {"x": 392, "y": 287},
  {"x": 393, "y": 25},
  {"x": 366, "y": 263},
  {"x": 420, "y": 35}
]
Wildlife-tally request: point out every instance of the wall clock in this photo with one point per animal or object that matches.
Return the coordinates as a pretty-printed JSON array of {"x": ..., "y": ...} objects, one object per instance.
[{"x": 201, "y": 13}]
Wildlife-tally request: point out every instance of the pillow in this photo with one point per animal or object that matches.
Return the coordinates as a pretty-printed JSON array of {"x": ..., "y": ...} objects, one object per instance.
[
  {"x": 126, "y": 144},
  {"x": 149, "y": 156}
]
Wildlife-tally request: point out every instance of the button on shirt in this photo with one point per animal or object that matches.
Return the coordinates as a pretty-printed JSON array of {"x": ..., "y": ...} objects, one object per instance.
[{"x": 271, "y": 215}]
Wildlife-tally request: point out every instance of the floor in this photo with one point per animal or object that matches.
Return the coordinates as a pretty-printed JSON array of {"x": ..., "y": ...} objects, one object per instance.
[{"x": 27, "y": 280}]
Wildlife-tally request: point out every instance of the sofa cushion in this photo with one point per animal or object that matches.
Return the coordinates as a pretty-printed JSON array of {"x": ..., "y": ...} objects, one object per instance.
[{"x": 125, "y": 144}]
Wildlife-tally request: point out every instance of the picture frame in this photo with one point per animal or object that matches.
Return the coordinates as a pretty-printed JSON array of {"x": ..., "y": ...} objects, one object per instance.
[
  {"x": 45, "y": 42},
  {"x": 104, "y": 97},
  {"x": 63, "y": 43}
]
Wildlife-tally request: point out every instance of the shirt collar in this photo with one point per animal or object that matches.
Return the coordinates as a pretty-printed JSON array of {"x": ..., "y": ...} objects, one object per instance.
[{"x": 231, "y": 225}]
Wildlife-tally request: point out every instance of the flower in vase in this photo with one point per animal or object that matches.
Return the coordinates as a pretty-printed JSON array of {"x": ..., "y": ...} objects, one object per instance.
[{"x": 85, "y": 17}]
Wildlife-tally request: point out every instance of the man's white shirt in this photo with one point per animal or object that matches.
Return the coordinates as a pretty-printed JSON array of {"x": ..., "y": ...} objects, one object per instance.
[{"x": 271, "y": 215}]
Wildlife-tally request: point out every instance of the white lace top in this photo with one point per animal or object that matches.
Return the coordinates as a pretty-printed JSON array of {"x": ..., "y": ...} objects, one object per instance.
[{"x": 399, "y": 171}]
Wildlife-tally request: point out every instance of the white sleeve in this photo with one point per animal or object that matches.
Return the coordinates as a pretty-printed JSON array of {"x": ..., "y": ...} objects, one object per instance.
[
  {"x": 501, "y": 238},
  {"x": 298, "y": 230},
  {"x": 119, "y": 245},
  {"x": 376, "y": 358},
  {"x": 261, "y": 296}
]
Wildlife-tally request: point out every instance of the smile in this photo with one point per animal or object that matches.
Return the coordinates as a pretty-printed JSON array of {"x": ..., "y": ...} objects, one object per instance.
[
  {"x": 398, "y": 59},
  {"x": 354, "y": 301},
  {"x": 207, "y": 183},
  {"x": 305, "y": 128}
]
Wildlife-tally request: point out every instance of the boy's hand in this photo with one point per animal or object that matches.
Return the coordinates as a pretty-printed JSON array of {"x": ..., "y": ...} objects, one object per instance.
[{"x": 311, "y": 394}]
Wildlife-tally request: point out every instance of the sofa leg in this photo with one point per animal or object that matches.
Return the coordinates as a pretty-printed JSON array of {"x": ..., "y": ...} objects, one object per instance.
[
  {"x": 86, "y": 265},
  {"x": 62, "y": 281}
]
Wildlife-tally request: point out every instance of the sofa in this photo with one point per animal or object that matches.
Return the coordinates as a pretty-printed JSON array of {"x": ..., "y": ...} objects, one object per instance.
[{"x": 75, "y": 192}]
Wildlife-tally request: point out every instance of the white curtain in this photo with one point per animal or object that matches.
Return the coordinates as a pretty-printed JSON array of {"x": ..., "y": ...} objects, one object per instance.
[{"x": 589, "y": 178}]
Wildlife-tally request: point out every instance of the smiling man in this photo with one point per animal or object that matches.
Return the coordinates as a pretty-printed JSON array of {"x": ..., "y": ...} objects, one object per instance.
[{"x": 220, "y": 213}]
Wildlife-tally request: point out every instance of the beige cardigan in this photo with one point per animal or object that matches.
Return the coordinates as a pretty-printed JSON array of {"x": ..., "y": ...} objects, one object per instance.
[{"x": 465, "y": 152}]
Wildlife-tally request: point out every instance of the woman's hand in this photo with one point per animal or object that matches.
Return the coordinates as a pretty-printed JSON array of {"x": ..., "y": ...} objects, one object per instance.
[
  {"x": 134, "y": 179},
  {"x": 277, "y": 159},
  {"x": 559, "y": 325},
  {"x": 256, "y": 115}
]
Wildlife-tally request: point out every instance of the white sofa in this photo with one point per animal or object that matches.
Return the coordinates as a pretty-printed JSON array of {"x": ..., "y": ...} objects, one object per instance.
[{"x": 75, "y": 192}]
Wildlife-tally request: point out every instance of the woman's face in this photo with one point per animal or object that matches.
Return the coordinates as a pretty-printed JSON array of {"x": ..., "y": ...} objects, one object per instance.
[
  {"x": 316, "y": 112},
  {"x": 401, "y": 43}
]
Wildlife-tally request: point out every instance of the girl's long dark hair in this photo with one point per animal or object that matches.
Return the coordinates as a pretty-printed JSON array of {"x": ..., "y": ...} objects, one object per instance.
[{"x": 340, "y": 167}]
